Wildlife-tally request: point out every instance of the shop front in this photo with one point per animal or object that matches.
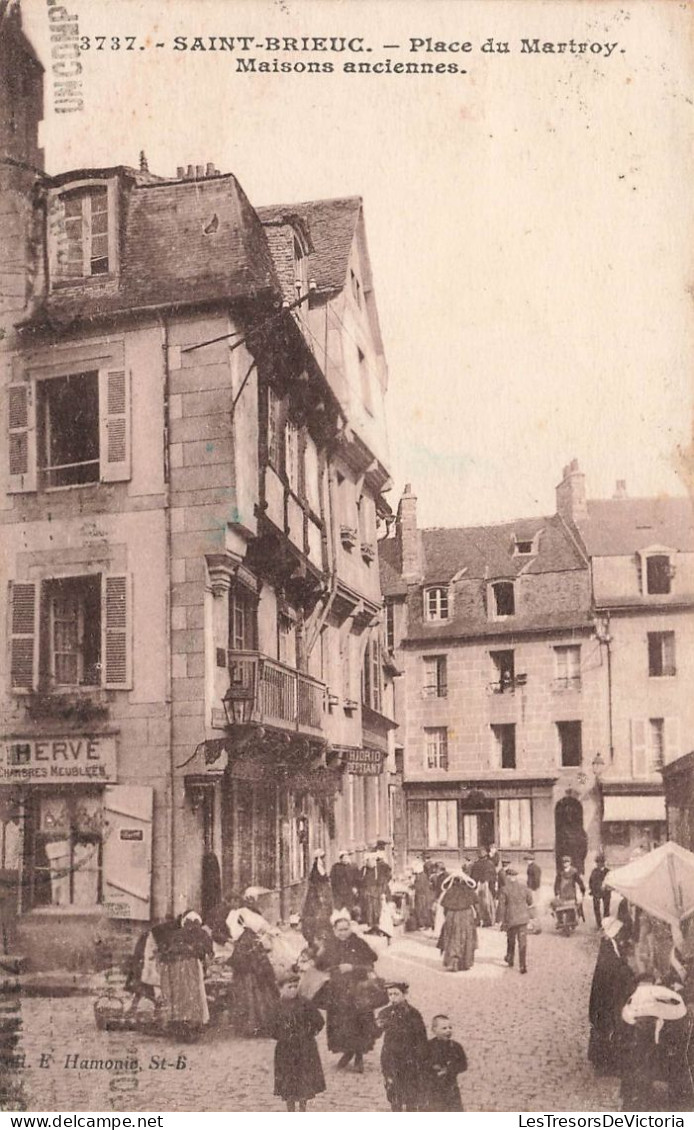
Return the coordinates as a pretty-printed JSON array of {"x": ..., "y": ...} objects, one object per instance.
[
  {"x": 76, "y": 846},
  {"x": 452, "y": 823},
  {"x": 633, "y": 822}
]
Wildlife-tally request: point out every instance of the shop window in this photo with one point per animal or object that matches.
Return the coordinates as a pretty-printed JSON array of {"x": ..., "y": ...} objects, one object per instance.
[
  {"x": 658, "y": 574},
  {"x": 567, "y": 667},
  {"x": 661, "y": 654},
  {"x": 570, "y": 743},
  {"x": 471, "y": 831},
  {"x": 616, "y": 833},
  {"x": 436, "y": 604},
  {"x": 515, "y": 826},
  {"x": 436, "y": 741},
  {"x": 442, "y": 823},
  {"x": 504, "y": 670},
  {"x": 435, "y": 676},
  {"x": 504, "y": 746},
  {"x": 71, "y": 632},
  {"x": 64, "y": 849},
  {"x": 242, "y": 620},
  {"x": 503, "y": 599},
  {"x": 68, "y": 431}
]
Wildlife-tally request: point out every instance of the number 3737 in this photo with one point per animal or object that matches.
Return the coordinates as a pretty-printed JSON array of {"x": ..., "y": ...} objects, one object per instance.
[{"x": 108, "y": 43}]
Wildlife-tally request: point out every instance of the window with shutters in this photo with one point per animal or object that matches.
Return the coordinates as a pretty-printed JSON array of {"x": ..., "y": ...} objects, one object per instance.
[
  {"x": 435, "y": 676},
  {"x": 82, "y": 232},
  {"x": 567, "y": 666},
  {"x": 69, "y": 633},
  {"x": 661, "y": 654},
  {"x": 69, "y": 430},
  {"x": 504, "y": 739},
  {"x": 515, "y": 823},
  {"x": 442, "y": 823}
]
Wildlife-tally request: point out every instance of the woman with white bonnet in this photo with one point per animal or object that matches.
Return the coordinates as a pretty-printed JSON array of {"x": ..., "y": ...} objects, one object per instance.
[
  {"x": 349, "y": 960},
  {"x": 318, "y": 905},
  {"x": 458, "y": 940},
  {"x": 182, "y": 952},
  {"x": 254, "y": 992},
  {"x": 613, "y": 981}
]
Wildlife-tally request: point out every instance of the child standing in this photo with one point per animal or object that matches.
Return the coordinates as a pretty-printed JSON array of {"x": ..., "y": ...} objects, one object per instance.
[
  {"x": 447, "y": 1060},
  {"x": 404, "y": 1051},
  {"x": 295, "y": 1025}
]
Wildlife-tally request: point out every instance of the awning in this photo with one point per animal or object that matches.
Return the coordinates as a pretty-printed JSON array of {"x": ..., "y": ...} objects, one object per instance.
[{"x": 633, "y": 808}]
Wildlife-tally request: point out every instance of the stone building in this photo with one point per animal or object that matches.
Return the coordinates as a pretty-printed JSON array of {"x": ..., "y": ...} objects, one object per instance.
[
  {"x": 193, "y": 395},
  {"x": 547, "y": 673},
  {"x": 641, "y": 553},
  {"x": 500, "y": 703}
]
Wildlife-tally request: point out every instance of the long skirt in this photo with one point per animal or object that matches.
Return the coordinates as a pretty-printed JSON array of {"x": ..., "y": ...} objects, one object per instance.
[
  {"x": 183, "y": 992},
  {"x": 458, "y": 939},
  {"x": 298, "y": 1071},
  {"x": 254, "y": 1000},
  {"x": 349, "y": 1029}
]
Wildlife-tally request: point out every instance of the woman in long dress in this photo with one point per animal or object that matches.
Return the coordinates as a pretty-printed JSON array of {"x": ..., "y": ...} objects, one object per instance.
[
  {"x": 351, "y": 1026},
  {"x": 613, "y": 982},
  {"x": 254, "y": 992},
  {"x": 318, "y": 906},
  {"x": 182, "y": 953},
  {"x": 458, "y": 939}
]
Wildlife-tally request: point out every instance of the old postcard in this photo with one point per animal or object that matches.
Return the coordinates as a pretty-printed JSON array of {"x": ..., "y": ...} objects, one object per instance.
[{"x": 347, "y": 556}]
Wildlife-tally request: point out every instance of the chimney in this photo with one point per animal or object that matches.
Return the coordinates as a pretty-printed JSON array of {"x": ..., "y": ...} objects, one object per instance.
[
  {"x": 180, "y": 172},
  {"x": 571, "y": 494},
  {"x": 406, "y": 530},
  {"x": 189, "y": 173},
  {"x": 621, "y": 489},
  {"x": 210, "y": 170},
  {"x": 199, "y": 172}
]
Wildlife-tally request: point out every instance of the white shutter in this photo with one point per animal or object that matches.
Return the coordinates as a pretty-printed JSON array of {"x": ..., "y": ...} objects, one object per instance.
[
  {"x": 526, "y": 837},
  {"x": 114, "y": 425},
  {"x": 24, "y": 618},
  {"x": 672, "y": 739},
  {"x": 128, "y": 813},
  {"x": 116, "y": 632},
  {"x": 639, "y": 749},
  {"x": 21, "y": 438}
]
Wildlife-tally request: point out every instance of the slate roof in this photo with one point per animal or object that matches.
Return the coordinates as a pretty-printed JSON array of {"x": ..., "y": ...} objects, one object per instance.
[
  {"x": 332, "y": 226},
  {"x": 167, "y": 258},
  {"x": 487, "y": 551},
  {"x": 619, "y": 527}
]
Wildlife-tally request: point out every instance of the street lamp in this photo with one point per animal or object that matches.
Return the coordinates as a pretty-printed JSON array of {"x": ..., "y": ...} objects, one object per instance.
[{"x": 239, "y": 699}]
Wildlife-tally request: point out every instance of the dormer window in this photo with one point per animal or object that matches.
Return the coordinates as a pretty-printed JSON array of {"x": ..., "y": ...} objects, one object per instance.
[
  {"x": 503, "y": 599},
  {"x": 436, "y": 604},
  {"x": 658, "y": 574},
  {"x": 82, "y": 232}
]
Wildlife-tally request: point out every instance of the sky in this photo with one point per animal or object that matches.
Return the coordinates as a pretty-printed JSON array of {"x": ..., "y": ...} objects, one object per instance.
[{"x": 529, "y": 221}]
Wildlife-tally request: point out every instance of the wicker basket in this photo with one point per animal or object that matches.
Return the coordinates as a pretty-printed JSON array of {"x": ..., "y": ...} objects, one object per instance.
[{"x": 108, "y": 1012}]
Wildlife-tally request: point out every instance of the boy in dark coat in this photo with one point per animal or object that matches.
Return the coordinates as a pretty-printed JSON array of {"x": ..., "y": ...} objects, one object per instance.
[
  {"x": 446, "y": 1061},
  {"x": 404, "y": 1052},
  {"x": 295, "y": 1025}
]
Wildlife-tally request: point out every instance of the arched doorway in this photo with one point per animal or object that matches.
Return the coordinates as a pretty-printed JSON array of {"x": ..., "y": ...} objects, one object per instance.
[{"x": 569, "y": 835}]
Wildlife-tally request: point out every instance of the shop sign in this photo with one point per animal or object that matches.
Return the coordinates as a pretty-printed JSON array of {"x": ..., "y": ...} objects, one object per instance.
[
  {"x": 364, "y": 762},
  {"x": 76, "y": 759}
]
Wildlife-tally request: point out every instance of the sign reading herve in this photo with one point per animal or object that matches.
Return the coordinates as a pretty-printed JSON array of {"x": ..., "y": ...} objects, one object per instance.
[{"x": 76, "y": 759}]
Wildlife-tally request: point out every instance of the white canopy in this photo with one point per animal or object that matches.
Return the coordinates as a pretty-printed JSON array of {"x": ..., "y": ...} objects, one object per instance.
[{"x": 661, "y": 882}]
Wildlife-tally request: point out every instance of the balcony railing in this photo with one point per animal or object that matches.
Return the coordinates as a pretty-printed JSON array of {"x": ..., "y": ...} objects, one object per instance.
[{"x": 282, "y": 696}]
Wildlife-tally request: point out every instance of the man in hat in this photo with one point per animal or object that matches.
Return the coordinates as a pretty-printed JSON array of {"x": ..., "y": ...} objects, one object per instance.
[
  {"x": 534, "y": 873},
  {"x": 600, "y": 894},
  {"x": 343, "y": 881},
  {"x": 404, "y": 1055},
  {"x": 515, "y": 901}
]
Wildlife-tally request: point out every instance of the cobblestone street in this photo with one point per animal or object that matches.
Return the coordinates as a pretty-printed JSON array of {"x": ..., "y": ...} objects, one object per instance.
[{"x": 525, "y": 1038}]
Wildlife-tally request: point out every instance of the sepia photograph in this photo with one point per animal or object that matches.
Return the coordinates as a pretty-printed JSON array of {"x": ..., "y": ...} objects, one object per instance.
[{"x": 346, "y": 557}]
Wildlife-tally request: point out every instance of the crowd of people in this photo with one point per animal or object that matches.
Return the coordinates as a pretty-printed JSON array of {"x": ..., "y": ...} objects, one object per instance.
[{"x": 280, "y": 984}]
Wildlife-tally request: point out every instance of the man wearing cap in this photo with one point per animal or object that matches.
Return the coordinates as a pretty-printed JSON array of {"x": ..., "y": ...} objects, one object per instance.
[
  {"x": 404, "y": 1055},
  {"x": 515, "y": 901},
  {"x": 534, "y": 872},
  {"x": 599, "y": 893}
]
